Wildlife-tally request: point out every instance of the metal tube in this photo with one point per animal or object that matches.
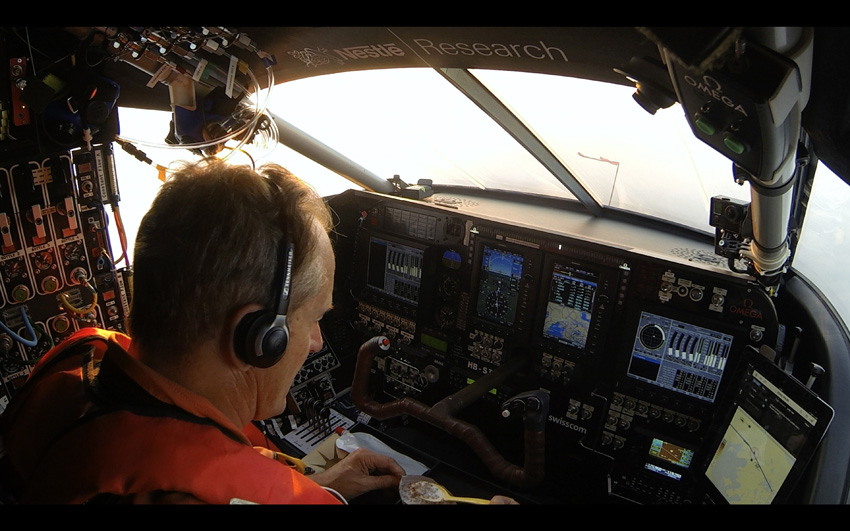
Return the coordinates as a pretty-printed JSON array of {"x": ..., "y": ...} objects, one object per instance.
[{"x": 291, "y": 136}]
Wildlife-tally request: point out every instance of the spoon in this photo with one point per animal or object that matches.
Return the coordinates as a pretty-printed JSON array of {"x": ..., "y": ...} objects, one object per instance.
[{"x": 418, "y": 490}]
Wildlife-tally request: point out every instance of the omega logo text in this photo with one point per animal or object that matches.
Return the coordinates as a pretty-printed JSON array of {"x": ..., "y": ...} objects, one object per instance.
[
  {"x": 746, "y": 310},
  {"x": 713, "y": 88}
]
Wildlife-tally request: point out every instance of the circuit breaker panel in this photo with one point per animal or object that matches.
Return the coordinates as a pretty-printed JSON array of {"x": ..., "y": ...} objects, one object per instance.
[
  {"x": 58, "y": 192},
  {"x": 57, "y": 268}
]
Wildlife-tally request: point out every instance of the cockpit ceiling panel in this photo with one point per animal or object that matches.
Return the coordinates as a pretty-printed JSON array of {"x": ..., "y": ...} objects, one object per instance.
[
  {"x": 299, "y": 52},
  {"x": 601, "y": 53},
  {"x": 582, "y": 51}
]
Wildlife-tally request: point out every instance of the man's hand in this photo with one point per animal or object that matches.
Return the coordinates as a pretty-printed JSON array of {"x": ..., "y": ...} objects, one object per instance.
[{"x": 359, "y": 472}]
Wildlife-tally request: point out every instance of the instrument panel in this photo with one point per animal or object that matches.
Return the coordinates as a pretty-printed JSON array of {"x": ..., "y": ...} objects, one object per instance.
[{"x": 630, "y": 348}]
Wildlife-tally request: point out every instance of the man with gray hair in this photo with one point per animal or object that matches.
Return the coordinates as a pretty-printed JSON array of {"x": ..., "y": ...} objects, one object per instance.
[{"x": 233, "y": 270}]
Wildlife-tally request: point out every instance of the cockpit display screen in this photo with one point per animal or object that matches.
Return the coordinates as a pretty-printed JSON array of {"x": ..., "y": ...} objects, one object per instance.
[
  {"x": 569, "y": 310},
  {"x": 769, "y": 433},
  {"x": 499, "y": 285},
  {"x": 395, "y": 269},
  {"x": 679, "y": 356},
  {"x": 672, "y": 453},
  {"x": 664, "y": 454}
]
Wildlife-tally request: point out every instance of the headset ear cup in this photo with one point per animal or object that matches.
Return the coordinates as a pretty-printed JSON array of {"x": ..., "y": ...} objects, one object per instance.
[
  {"x": 274, "y": 341},
  {"x": 260, "y": 338}
]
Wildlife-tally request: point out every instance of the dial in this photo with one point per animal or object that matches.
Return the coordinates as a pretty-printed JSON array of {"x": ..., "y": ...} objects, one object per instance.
[
  {"x": 652, "y": 337},
  {"x": 446, "y": 317},
  {"x": 448, "y": 287},
  {"x": 497, "y": 304},
  {"x": 43, "y": 260}
]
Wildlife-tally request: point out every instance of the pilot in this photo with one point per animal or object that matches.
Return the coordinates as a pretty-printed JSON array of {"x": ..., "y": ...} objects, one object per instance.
[{"x": 166, "y": 417}]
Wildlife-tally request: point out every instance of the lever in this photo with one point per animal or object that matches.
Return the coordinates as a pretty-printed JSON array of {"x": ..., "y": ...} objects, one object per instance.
[
  {"x": 789, "y": 362},
  {"x": 815, "y": 370}
]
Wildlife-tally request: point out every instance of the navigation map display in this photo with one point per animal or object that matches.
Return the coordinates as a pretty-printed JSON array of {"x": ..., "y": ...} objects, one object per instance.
[
  {"x": 570, "y": 306},
  {"x": 773, "y": 428}
]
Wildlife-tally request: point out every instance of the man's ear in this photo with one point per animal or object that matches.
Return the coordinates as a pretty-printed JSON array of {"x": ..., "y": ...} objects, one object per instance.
[{"x": 233, "y": 337}]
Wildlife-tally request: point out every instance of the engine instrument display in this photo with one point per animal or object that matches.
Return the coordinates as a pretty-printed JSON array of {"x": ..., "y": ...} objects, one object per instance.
[
  {"x": 679, "y": 357},
  {"x": 395, "y": 269}
]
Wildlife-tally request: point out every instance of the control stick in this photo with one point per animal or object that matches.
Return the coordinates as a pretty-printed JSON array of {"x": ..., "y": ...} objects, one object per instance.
[
  {"x": 532, "y": 405},
  {"x": 441, "y": 415}
]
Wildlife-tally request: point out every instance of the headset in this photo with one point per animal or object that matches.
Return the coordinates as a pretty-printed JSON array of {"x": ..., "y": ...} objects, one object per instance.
[{"x": 261, "y": 337}]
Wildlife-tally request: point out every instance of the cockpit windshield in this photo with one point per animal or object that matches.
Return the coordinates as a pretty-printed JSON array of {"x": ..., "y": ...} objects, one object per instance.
[{"x": 415, "y": 124}]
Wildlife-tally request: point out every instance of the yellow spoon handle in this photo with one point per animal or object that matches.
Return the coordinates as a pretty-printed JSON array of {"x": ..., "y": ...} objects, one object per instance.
[{"x": 460, "y": 499}]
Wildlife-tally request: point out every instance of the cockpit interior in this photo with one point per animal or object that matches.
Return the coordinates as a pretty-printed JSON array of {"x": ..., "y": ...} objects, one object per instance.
[{"x": 531, "y": 340}]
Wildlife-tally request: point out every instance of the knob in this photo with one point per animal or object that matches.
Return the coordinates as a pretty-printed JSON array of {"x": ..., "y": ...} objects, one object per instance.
[{"x": 431, "y": 373}]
